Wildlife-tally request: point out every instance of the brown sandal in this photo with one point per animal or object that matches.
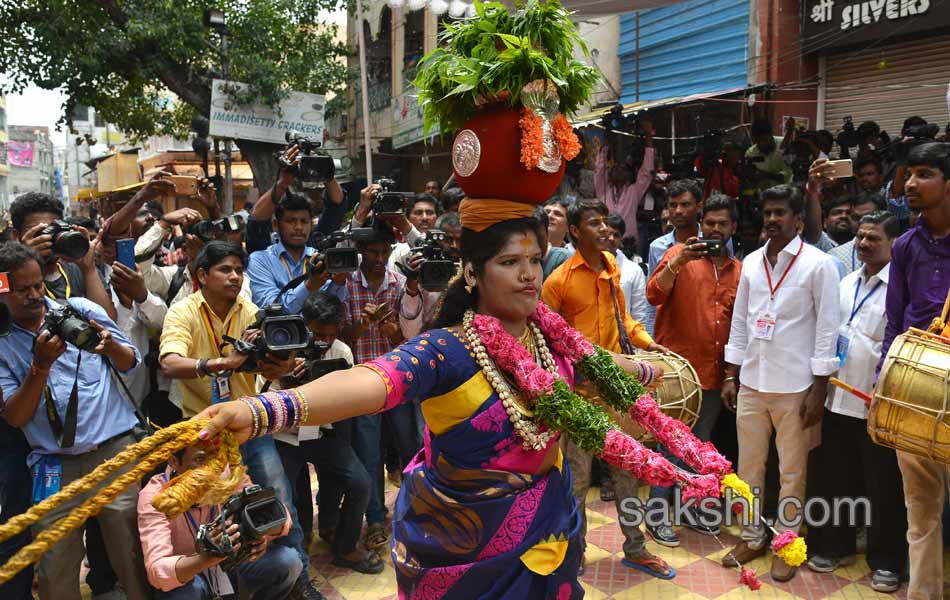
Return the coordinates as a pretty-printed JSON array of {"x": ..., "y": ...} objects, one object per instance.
[{"x": 651, "y": 565}]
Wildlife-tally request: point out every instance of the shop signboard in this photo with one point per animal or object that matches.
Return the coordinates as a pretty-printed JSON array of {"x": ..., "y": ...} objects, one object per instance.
[
  {"x": 828, "y": 24},
  {"x": 300, "y": 112},
  {"x": 408, "y": 120}
]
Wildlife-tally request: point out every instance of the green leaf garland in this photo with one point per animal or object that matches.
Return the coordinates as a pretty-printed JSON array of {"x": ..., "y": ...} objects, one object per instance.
[
  {"x": 619, "y": 389},
  {"x": 565, "y": 411}
]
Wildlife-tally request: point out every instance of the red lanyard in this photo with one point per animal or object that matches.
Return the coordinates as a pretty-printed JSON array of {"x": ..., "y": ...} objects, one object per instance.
[{"x": 768, "y": 270}]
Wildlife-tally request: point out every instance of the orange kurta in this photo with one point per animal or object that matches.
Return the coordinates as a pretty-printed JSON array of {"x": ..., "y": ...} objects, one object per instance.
[{"x": 583, "y": 297}]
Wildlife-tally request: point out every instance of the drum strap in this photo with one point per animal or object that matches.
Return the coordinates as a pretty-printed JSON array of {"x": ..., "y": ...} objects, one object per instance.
[{"x": 625, "y": 344}]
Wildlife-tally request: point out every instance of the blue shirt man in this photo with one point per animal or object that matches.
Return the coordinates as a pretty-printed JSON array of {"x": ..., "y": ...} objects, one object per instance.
[
  {"x": 271, "y": 269},
  {"x": 102, "y": 411}
]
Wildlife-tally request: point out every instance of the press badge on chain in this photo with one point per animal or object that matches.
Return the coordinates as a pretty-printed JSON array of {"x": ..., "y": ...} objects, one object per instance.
[
  {"x": 47, "y": 477},
  {"x": 224, "y": 388},
  {"x": 764, "y": 325}
]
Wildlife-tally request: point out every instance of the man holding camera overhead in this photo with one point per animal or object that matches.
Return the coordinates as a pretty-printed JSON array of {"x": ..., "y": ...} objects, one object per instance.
[
  {"x": 57, "y": 387},
  {"x": 69, "y": 268},
  {"x": 182, "y": 569},
  {"x": 289, "y": 271},
  {"x": 195, "y": 351}
]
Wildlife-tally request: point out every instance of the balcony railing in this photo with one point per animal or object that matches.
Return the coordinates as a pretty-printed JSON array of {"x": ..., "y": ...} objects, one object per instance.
[{"x": 380, "y": 97}]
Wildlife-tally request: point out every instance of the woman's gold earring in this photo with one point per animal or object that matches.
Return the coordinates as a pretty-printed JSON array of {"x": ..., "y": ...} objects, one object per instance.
[{"x": 469, "y": 289}]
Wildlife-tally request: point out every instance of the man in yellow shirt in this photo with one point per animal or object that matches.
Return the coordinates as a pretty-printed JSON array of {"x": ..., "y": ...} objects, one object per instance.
[
  {"x": 205, "y": 369},
  {"x": 586, "y": 291}
]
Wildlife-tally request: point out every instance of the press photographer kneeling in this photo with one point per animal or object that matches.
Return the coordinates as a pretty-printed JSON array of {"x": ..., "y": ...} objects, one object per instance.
[
  {"x": 182, "y": 567},
  {"x": 57, "y": 387}
]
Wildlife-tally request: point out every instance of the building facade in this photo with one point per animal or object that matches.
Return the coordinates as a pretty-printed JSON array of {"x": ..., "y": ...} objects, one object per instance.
[
  {"x": 30, "y": 158},
  {"x": 4, "y": 167}
]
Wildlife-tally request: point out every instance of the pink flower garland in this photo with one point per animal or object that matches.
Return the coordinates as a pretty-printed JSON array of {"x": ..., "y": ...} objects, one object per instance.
[
  {"x": 619, "y": 449},
  {"x": 747, "y": 577},
  {"x": 673, "y": 434}
]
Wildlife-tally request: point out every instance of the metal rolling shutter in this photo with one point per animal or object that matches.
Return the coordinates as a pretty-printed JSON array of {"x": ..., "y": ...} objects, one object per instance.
[{"x": 913, "y": 82}]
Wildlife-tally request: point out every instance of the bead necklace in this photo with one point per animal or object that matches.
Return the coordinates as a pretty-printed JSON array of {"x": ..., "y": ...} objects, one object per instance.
[{"x": 519, "y": 414}]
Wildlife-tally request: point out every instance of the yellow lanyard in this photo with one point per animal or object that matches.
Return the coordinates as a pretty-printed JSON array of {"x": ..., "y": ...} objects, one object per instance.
[
  {"x": 287, "y": 266},
  {"x": 69, "y": 289},
  {"x": 211, "y": 334}
]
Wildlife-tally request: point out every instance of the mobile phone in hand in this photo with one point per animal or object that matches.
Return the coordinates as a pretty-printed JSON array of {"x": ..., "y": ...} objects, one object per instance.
[
  {"x": 125, "y": 252},
  {"x": 840, "y": 169},
  {"x": 714, "y": 247}
]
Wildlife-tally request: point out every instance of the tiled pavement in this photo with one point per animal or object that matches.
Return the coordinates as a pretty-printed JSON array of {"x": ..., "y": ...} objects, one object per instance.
[{"x": 699, "y": 575}]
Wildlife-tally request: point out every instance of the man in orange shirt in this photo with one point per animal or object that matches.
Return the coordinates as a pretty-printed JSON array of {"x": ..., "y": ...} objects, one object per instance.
[
  {"x": 694, "y": 288},
  {"x": 586, "y": 291}
]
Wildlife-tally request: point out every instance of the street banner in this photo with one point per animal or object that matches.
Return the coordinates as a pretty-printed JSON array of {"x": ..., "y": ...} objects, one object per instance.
[{"x": 299, "y": 112}]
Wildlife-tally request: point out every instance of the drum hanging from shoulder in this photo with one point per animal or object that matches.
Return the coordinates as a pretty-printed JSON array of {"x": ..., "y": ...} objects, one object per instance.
[
  {"x": 911, "y": 408},
  {"x": 679, "y": 395}
]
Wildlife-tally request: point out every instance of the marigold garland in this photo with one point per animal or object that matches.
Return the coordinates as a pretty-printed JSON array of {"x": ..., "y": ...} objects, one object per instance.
[
  {"x": 532, "y": 138},
  {"x": 566, "y": 139},
  {"x": 742, "y": 489}
]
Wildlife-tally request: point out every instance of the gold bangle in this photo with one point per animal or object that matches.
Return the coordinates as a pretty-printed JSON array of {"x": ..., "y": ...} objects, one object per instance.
[{"x": 669, "y": 266}]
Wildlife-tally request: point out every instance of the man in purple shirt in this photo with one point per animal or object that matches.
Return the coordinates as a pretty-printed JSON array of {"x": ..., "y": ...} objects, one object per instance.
[{"x": 919, "y": 281}]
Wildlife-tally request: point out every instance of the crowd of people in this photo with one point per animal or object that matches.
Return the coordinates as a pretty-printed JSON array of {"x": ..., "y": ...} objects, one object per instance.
[{"x": 842, "y": 266}]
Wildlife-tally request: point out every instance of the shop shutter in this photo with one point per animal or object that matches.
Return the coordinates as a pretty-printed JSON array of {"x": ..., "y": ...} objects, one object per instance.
[{"x": 912, "y": 81}]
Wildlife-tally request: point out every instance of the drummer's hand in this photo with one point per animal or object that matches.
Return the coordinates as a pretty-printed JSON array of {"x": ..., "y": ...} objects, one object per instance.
[
  {"x": 813, "y": 406},
  {"x": 235, "y": 416},
  {"x": 730, "y": 393},
  {"x": 654, "y": 347},
  {"x": 657, "y": 380}
]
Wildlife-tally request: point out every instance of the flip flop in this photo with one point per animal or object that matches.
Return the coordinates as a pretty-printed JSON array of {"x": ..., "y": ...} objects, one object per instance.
[
  {"x": 366, "y": 565},
  {"x": 645, "y": 567}
]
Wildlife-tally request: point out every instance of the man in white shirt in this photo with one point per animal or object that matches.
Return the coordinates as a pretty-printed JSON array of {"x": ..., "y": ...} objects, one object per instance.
[
  {"x": 848, "y": 464},
  {"x": 633, "y": 281},
  {"x": 782, "y": 350}
]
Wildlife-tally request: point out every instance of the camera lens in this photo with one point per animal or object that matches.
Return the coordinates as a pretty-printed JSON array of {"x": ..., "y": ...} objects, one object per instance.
[
  {"x": 279, "y": 335},
  {"x": 71, "y": 244},
  {"x": 78, "y": 333}
]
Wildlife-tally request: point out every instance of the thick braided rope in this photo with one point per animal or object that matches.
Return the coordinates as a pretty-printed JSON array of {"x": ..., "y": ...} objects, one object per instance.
[{"x": 203, "y": 484}]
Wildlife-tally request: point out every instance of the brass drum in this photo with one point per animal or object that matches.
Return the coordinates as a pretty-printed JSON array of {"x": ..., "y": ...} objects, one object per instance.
[
  {"x": 680, "y": 394},
  {"x": 911, "y": 408}
]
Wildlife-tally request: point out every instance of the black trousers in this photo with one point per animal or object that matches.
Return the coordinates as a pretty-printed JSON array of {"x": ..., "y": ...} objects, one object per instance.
[{"x": 848, "y": 464}]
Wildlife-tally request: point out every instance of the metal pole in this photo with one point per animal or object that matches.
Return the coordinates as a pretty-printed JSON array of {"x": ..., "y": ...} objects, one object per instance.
[
  {"x": 228, "y": 187},
  {"x": 365, "y": 90},
  {"x": 673, "y": 129}
]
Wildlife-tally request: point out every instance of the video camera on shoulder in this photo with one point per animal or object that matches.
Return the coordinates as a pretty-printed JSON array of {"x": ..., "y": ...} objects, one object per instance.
[
  {"x": 256, "y": 511},
  {"x": 66, "y": 241},
  {"x": 340, "y": 260},
  {"x": 437, "y": 269},
  {"x": 315, "y": 366},
  {"x": 212, "y": 229},
  {"x": 63, "y": 321},
  {"x": 280, "y": 335},
  {"x": 311, "y": 164},
  {"x": 389, "y": 202}
]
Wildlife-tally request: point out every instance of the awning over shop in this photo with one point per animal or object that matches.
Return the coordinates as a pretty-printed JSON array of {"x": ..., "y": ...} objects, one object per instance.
[{"x": 594, "y": 117}]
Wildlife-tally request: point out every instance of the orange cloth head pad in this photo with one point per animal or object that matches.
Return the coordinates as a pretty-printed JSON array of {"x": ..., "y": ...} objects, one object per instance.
[{"x": 486, "y": 157}]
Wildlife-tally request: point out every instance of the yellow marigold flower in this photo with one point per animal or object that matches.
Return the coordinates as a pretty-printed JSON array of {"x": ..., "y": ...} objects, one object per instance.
[
  {"x": 794, "y": 554},
  {"x": 740, "y": 488}
]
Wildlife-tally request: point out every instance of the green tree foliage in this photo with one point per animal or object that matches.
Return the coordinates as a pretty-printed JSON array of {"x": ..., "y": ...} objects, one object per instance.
[{"x": 127, "y": 57}]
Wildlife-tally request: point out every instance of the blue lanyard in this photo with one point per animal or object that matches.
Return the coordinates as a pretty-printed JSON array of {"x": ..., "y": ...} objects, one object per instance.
[{"x": 855, "y": 307}]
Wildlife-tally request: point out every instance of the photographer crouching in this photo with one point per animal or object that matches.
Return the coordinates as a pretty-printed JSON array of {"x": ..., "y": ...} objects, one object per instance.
[
  {"x": 57, "y": 387},
  {"x": 182, "y": 567},
  {"x": 198, "y": 350}
]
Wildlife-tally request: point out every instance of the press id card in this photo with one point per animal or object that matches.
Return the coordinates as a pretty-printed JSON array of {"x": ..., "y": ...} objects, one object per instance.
[
  {"x": 842, "y": 348},
  {"x": 764, "y": 325}
]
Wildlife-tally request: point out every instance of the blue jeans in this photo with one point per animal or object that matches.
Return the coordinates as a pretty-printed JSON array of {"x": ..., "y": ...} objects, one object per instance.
[
  {"x": 271, "y": 577},
  {"x": 16, "y": 486},
  {"x": 401, "y": 421},
  {"x": 342, "y": 479},
  {"x": 265, "y": 469},
  {"x": 365, "y": 436}
]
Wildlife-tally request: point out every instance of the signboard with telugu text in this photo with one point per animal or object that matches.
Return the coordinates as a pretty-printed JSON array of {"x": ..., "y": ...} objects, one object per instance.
[
  {"x": 830, "y": 24},
  {"x": 300, "y": 112}
]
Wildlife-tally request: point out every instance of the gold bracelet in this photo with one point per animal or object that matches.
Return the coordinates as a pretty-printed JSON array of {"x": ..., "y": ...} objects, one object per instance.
[{"x": 669, "y": 266}]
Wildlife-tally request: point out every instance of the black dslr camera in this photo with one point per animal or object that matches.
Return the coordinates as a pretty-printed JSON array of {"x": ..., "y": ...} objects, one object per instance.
[
  {"x": 209, "y": 229},
  {"x": 388, "y": 202},
  {"x": 256, "y": 511},
  {"x": 315, "y": 366},
  {"x": 280, "y": 335},
  {"x": 710, "y": 147},
  {"x": 66, "y": 241},
  {"x": 436, "y": 270},
  {"x": 65, "y": 322},
  {"x": 340, "y": 260},
  {"x": 311, "y": 165}
]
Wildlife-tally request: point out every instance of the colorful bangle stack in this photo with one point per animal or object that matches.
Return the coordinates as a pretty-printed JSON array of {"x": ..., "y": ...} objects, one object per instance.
[
  {"x": 645, "y": 373},
  {"x": 276, "y": 411}
]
